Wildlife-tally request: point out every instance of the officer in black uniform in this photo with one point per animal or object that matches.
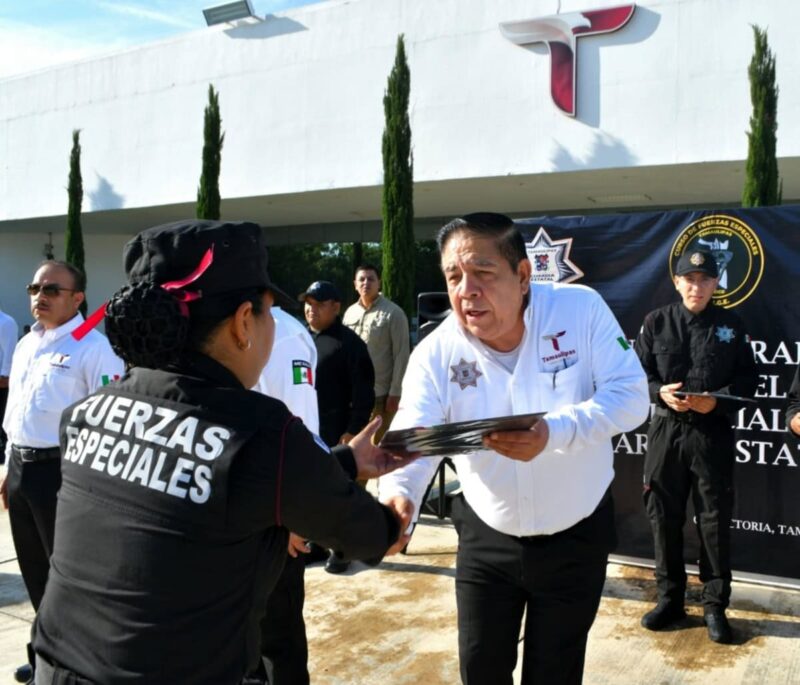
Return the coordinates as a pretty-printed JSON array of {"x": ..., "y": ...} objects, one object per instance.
[
  {"x": 696, "y": 347},
  {"x": 180, "y": 485},
  {"x": 345, "y": 380},
  {"x": 793, "y": 406}
]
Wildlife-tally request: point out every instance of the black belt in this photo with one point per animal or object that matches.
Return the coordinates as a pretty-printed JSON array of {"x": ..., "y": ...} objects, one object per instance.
[
  {"x": 47, "y": 674},
  {"x": 29, "y": 454}
]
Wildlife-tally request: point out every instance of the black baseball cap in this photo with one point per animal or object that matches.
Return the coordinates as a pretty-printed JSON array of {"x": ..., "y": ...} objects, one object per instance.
[
  {"x": 223, "y": 257},
  {"x": 697, "y": 260},
  {"x": 321, "y": 291}
]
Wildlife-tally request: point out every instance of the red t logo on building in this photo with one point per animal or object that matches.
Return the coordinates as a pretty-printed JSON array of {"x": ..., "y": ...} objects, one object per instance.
[{"x": 561, "y": 32}]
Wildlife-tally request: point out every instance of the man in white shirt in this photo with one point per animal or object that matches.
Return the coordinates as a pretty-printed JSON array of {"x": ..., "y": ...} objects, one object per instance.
[
  {"x": 8, "y": 341},
  {"x": 535, "y": 520},
  {"x": 289, "y": 376},
  {"x": 51, "y": 370}
]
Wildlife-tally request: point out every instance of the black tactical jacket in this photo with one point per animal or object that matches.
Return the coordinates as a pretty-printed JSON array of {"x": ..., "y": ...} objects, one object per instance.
[
  {"x": 345, "y": 382},
  {"x": 707, "y": 352},
  {"x": 793, "y": 398},
  {"x": 179, "y": 488}
]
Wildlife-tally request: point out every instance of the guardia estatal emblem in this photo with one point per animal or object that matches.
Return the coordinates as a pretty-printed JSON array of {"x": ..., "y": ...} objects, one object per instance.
[
  {"x": 551, "y": 260},
  {"x": 725, "y": 334},
  {"x": 465, "y": 374}
]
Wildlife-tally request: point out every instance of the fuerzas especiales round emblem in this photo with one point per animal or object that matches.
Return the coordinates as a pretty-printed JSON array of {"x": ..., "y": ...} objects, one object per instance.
[{"x": 736, "y": 249}]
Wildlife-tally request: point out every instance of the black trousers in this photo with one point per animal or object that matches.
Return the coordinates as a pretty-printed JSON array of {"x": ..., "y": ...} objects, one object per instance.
[
  {"x": 556, "y": 579},
  {"x": 283, "y": 631},
  {"x": 690, "y": 458},
  {"x": 3, "y": 437},
  {"x": 32, "y": 495}
]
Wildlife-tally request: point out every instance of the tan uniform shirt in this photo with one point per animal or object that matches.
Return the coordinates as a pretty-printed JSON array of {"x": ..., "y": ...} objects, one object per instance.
[{"x": 384, "y": 327}]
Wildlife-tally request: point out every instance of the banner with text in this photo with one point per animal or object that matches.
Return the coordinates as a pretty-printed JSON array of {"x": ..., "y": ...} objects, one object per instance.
[{"x": 629, "y": 259}]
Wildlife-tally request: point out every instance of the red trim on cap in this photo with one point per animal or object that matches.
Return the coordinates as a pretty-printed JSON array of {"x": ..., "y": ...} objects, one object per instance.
[{"x": 176, "y": 288}]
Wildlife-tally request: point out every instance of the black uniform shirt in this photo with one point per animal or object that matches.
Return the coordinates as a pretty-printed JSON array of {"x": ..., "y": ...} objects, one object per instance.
[
  {"x": 794, "y": 398},
  {"x": 178, "y": 490},
  {"x": 707, "y": 352},
  {"x": 345, "y": 382}
]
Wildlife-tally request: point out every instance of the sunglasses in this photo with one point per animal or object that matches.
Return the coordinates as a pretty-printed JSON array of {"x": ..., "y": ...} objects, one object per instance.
[{"x": 49, "y": 289}]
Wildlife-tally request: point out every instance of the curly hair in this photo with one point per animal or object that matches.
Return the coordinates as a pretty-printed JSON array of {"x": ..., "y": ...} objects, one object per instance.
[{"x": 147, "y": 326}]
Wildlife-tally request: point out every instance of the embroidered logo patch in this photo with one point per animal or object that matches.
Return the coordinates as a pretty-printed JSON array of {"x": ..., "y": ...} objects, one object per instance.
[
  {"x": 553, "y": 338},
  {"x": 465, "y": 373},
  {"x": 109, "y": 379},
  {"x": 301, "y": 372},
  {"x": 624, "y": 344},
  {"x": 559, "y": 356},
  {"x": 725, "y": 334},
  {"x": 60, "y": 361}
]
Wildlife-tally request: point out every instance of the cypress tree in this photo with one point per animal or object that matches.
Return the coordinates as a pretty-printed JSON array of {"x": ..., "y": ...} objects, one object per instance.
[
  {"x": 398, "y": 180},
  {"x": 358, "y": 255},
  {"x": 73, "y": 240},
  {"x": 208, "y": 200},
  {"x": 761, "y": 186}
]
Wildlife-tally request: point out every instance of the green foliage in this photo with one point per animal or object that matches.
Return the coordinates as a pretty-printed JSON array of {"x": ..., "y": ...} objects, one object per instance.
[
  {"x": 73, "y": 240},
  {"x": 428, "y": 277},
  {"x": 398, "y": 187},
  {"x": 295, "y": 267},
  {"x": 208, "y": 200},
  {"x": 762, "y": 186}
]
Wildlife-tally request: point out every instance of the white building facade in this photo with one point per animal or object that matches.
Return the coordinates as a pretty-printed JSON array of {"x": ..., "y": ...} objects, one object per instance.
[{"x": 662, "y": 110}]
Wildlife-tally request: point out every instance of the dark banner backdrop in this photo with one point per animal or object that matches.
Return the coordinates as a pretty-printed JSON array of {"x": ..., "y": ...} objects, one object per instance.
[{"x": 629, "y": 259}]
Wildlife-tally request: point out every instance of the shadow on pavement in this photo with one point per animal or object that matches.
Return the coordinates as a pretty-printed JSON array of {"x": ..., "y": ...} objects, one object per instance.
[{"x": 417, "y": 568}]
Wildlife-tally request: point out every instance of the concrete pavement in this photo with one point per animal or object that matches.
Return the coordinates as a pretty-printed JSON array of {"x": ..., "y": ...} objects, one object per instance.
[{"x": 396, "y": 624}]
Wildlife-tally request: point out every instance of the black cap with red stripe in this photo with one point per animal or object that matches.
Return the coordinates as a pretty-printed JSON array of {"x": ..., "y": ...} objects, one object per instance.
[{"x": 201, "y": 259}]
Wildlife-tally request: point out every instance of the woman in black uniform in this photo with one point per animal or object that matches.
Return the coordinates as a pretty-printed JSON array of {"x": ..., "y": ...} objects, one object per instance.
[{"x": 180, "y": 485}]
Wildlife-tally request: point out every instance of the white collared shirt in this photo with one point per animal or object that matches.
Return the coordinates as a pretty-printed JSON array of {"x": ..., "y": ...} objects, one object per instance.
[
  {"x": 574, "y": 364},
  {"x": 8, "y": 341},
  {"x": 50, "y": 371},
  {"x": 292, "y": 367}
]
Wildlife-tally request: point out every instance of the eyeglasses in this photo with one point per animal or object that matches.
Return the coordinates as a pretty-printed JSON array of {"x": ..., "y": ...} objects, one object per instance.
[{"x": 49, "y": 289}]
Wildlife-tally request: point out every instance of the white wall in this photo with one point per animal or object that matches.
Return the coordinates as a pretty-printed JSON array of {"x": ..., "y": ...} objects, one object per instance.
[
  {"x": 17, "y": 265},
  {"x": 301, "y": 101}
]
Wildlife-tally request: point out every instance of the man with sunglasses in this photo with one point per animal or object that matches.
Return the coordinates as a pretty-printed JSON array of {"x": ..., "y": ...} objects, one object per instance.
[{"x": 51, "y": 370}]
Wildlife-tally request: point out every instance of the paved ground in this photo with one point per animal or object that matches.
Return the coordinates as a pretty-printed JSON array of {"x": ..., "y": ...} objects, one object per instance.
[{"x": 395, "y": 624}]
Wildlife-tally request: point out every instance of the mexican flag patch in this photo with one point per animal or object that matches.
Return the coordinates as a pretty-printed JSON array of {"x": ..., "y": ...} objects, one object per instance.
[{"x": 301, "y": 372}]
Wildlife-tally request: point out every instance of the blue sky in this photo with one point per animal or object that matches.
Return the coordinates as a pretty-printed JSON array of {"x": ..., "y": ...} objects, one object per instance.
[{"x": 39, "y": 33}]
